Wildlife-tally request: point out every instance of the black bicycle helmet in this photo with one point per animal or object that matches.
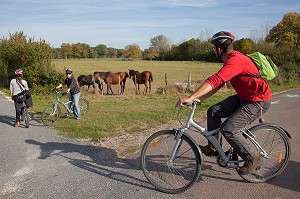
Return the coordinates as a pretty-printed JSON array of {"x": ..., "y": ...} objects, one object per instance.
[
  {"x": 222, "y": 39},
  {"x": 69, "y": 71}
]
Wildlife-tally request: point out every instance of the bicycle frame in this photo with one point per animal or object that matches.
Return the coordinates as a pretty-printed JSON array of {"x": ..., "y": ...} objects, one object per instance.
[
  {"x": 209, "y": 136},
  {"x": 65, "y": 104}
]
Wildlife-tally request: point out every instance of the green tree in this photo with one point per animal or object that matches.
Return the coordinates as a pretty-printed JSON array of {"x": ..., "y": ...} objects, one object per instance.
[
  {"x": 287, "y": 31},
  {"x": 101, "y": 50}
]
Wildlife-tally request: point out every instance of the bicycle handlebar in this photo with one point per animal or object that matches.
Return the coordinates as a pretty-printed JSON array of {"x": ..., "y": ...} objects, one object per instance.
[
  {"x": 58, "y": 92},
  {"x": 192, "y": 103}
]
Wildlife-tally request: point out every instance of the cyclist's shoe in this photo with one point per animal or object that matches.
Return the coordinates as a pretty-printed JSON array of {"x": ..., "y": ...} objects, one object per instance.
[
  {"x": 251, "y": 165},
  {"x": 77, "y": 118},
  {"x": 17, "y": 124},
  {"x": 209, "y": 150}
]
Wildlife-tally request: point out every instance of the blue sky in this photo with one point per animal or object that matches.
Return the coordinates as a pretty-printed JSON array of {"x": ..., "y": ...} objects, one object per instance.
[{"x": 118, "y": 23}]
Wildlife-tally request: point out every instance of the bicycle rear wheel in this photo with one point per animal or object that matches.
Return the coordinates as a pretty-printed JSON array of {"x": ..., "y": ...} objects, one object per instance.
[
  {"x": 84, "y": 106},
  {"x": 170, "y": 176},
  {"x": 276, "y": 144},
  {"x": 51, "y": 114}
]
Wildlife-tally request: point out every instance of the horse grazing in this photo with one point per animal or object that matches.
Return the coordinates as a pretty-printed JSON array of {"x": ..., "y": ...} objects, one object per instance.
[
  {"x": 86, "y": 80},
  {"x": 138, "y": 78},
  {"x": 112, "y": 78}
]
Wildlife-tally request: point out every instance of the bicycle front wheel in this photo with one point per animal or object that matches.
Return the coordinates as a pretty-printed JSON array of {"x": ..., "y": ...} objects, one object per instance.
[
  {"x": 170, "y": 176},
  {"x": 51, "y": 114},
  {"x": 277, "y": 147}
]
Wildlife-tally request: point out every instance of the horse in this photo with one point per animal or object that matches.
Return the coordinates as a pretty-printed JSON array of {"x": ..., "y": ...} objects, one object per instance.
[
  {"x": 138, "y": 78},
  {"x": 113, "y": 78},
  {"x": 86, "y": 80}
]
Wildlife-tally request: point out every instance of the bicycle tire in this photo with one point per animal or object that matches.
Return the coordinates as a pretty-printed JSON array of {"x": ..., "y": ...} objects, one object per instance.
[
  {"x": 170, "y": 177},
  {"x": 84, "y": 106},
  {"x": 26, "y": 117},
  {"x": 276, "y": 143},
  {"x": 51, "y": 114}
]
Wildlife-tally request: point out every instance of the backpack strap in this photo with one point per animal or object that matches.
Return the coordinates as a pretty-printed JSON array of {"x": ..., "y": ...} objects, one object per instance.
[
  {"x": 21, "y": 87},
  {"x": 253, "y": 76}
]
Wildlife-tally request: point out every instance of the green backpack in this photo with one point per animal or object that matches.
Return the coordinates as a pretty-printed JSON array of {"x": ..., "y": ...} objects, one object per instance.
[{"x": 267, "y": 69}]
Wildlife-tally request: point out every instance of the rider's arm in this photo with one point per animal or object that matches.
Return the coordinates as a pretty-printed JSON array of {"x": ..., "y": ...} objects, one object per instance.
[
  {"x": 203, "y": 92},
  {"x": 59, "y": 86}
]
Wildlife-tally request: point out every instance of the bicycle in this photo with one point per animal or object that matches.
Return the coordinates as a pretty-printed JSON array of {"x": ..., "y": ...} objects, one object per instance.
[
  {"x": 24, "y": 114},
  {"x": 171, "y": 159},
  {"x": 52, "y": 112}
]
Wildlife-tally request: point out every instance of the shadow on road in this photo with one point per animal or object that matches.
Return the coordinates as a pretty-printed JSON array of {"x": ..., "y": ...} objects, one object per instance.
[
  {"x": 99, "y": 161},
  {"x": 105, "y": 162},
  {"x": 7, "y": 120},
  {"x": 290, "y": 178}
]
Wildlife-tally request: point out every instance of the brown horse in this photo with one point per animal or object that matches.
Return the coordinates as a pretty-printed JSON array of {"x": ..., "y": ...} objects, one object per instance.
[
  {"x": 138, "y": 78},
  {"x": 112, "y": 78}
]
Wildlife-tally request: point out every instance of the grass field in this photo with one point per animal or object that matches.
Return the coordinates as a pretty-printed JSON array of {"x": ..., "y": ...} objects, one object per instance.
[{"x": 114, "y": 115}]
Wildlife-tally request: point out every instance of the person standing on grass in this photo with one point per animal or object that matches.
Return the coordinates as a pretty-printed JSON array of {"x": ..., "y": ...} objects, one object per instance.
[
  {"x": 252, "y": 99},
  {"x": 73, "y": 89}
]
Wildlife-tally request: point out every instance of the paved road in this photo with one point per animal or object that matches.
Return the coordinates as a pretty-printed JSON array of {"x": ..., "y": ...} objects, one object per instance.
[{"x": 38, "y": 163}]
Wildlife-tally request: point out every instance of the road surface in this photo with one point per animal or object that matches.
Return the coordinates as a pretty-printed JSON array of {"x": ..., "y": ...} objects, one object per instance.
[{"x": 38, "y": 163}]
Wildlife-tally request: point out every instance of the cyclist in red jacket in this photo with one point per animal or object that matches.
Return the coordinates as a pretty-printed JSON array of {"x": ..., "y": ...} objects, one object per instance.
[{"x": 252, "y": 99}]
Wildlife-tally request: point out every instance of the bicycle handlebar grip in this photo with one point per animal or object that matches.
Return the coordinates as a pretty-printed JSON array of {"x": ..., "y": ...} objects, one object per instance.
[{"x": 191, "y": 103}]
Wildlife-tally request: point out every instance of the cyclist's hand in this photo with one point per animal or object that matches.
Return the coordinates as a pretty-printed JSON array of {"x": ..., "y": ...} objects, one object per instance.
[{"x": 182, "y": 101}]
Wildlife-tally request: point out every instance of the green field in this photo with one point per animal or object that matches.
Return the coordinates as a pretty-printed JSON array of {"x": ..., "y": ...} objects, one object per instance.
[{"x": 114, "y": 115}]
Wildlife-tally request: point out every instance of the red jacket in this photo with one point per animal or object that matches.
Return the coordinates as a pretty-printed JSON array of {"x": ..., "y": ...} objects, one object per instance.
[{"x": 247, "y": 88}]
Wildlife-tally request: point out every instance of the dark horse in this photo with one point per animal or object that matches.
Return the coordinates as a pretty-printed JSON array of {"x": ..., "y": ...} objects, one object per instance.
[
  {"x": 138, "y": 78},
  {"x": 86, "y": 80},
  {"x": 112, "y": 78}
]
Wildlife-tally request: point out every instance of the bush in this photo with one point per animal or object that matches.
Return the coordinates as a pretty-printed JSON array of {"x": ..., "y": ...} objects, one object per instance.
[{"x": 19, "y": 51}]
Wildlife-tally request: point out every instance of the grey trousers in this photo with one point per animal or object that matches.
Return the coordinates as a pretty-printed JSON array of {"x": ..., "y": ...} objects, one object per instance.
[{"x": 239, "y": 113}]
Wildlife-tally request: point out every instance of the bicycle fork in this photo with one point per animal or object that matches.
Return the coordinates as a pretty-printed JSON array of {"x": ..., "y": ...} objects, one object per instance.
[{"x": 178, "y": 135}]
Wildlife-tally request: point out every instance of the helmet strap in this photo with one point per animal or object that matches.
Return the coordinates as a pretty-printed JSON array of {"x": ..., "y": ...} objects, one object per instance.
[{"x": 219, "y": 56}]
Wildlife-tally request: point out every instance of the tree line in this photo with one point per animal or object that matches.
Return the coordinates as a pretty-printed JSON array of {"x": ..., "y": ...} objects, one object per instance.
[{"x": 19, "y": 51}]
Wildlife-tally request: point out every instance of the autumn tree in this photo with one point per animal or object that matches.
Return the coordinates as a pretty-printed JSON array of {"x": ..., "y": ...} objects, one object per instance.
[
  {"x": 66, "y": 50},
  {"x": 80, "y": 50},
  {"x": 112, "y": 52},
  {"x": 133, "y": 51},
  {"x": 150, "y": 53},
  {"x": 287, "y": 31},
  {"x": 161, "y": 44},
  {"x": 244, "y": 45}
]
